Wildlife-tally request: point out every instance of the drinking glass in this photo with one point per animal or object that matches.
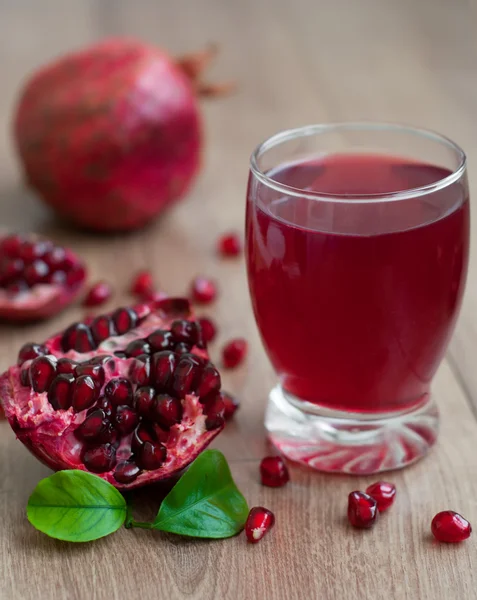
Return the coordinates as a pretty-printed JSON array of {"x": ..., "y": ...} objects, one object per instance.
[{"x": 357, "y": 251}]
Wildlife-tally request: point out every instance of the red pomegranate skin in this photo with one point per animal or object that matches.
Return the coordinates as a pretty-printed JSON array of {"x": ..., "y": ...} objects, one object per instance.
[{"x": 110, "y": 135}]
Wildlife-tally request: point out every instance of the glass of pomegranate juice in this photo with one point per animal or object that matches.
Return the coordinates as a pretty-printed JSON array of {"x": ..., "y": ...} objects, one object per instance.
[{"x": 357, "y": 251}]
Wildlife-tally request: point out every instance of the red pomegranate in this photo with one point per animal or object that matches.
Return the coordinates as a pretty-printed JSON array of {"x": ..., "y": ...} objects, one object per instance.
[
  {"x": 111, "y": 135},
  {"x": 37, "y": 277},
  {"x": 129, "y": 395}
]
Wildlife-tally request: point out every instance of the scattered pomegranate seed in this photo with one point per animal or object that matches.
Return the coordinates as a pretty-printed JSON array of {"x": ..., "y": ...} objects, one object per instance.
[
  {"x": 203, "y": 290},
  {"x": 229, "y": 244},
  {"x": 234, "y": 352},
  {"x": 274, "y": 471},
  {"x": 383, "y": 492},
  {"x": 449, "y": 526},
  {"x": 259, "y": 521},
  {"x": 362, "y": 510},
  {"x": 231, "y": 404},
  {"x": 98, "y": 294},
  {"x": 209, "y": 330},
  {"x": 142, "y": 284}
]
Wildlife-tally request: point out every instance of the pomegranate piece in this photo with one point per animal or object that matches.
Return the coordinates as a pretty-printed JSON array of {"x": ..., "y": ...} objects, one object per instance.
[
  {"x": 131, "y": 418},
  {"x": 208, "y": 328},
  {"x": 203, "y": 290},
  {"x": 98, "y": 294},
  {"x": 383, "y": 492},
  {"x": 362, "y": 510},
  {"x": 229, "y": 244},
  {"x": 234, "y": 352},
  {"x": 37, "y": 278},
  {"x": 259, "y": 521},
  {"x": 448, "y": 526},
  {"x": 96, "y": 184},
  {"x": 274, "y": 472},
  {"x": 142, "y": 285},
  {"x": 231, "y": 404}
]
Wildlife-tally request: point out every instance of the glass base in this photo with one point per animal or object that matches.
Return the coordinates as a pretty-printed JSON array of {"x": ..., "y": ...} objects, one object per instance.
[{"x": 353, "y": 443}]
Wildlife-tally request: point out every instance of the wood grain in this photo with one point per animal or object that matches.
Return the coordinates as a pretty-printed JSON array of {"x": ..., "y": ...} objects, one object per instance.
[{"x": 296, "y": 62}]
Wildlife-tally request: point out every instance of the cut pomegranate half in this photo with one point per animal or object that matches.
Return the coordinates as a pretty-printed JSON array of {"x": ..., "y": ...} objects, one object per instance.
[
  {"x": 37, "y": 277},
  {"x": 131, "y": 395}
]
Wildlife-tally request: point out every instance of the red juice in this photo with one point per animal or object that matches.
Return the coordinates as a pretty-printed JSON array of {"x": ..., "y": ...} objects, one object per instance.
[{"x": 356, "y": 301}]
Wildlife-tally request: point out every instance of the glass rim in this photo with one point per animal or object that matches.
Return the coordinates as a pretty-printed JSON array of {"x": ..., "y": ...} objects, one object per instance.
[{"x": 310, "y": 130}]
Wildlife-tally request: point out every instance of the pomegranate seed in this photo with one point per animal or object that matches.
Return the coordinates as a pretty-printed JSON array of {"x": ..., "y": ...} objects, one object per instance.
[
  {"x": 10, "y": 245},
  {"x": 96, "y": 372},
  {"x": 119, "y": 391},
  {"x": 99, "y": 293},
  {"x": 126, "y": 472},
  {"x": 56, "y": 278},
  {"x": 36, "y": 272},
  {"x": 30, "y": 251},
  {"x": 31, "y": 351},
  {"x": 85, "y": 393},
  {"x": 138, "y": 347},
  {"x": 60, "y": 393},
  {"x": 102, "y": 328},
  {"x": 448, "y": 526},
  {"x": 167, "y": 410},
  {"x": 229, "y": 244},
  {"x": 55, "y": 258},
  {"x": 42, "y": 373},
  {"x": 95, "y": 426},
  {"x": 75, "y": 275},
  {"x": 209, "y": 382},
  {"x": 161, "y": 340},
  {"x": 259, "y": 521},
  {"x": 141, "y": 435},
  {"x": 125, "y": 420},
  {"x": 77, "y": 337},
  {"x": 100, "y": 459},
  {"x": 25, "y": 377},
  {"x": 151, "y": 456},
  {"x": 274, "y": 472},
  {"x": 65, "y": 366},
  {"x": 144, "y": 401},
  {"x": 142, "y": 284},
  {"x": 162, "y": 370},
  {"x": 383, "y": 492},
  {"x": 362, "y": 510},
  {"x": 11, "y": 270},
  {"x": 234, "y": 352},
  {"x": 209, "y": 330},
  {"x": 124, "y": 320},
  {"x": 185, "y": 376},
  {"x": 203, "y": 290},
  {"x": 182, "y": 348},
  {"x": 214, "y": 410},
  {"x": 105, "y": 405},
  {"x": 140, "y": 370},
  {"x": 185, "y": 331},
  {"x": 231, "y": 404}
]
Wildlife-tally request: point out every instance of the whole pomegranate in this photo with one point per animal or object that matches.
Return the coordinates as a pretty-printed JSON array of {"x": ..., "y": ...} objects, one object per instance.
[
  {"x": 129, "y": 395},
  {"x": 111, "y": 135}
]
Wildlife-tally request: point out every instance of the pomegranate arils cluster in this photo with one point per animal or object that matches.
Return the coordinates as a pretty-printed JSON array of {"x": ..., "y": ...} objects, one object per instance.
[
  {"x": 133, "y": 393},
  {"x": 448, "y": 526},
  {"x": 37, "y": 277},
  {"x": 259, "y": 521}
]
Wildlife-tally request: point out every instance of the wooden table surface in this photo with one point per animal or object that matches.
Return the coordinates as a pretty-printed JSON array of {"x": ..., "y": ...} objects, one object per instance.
[{"x": 296, "y": 62}]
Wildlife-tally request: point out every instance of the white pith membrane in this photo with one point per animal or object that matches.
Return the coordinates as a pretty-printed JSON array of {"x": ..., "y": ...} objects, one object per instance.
[{"x": 49, "y": 433}]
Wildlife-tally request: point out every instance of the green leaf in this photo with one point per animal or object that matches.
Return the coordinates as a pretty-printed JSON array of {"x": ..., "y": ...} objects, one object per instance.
[
  {"x": 76, "y": 507},
  {"x": 205, "y": 502}
]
